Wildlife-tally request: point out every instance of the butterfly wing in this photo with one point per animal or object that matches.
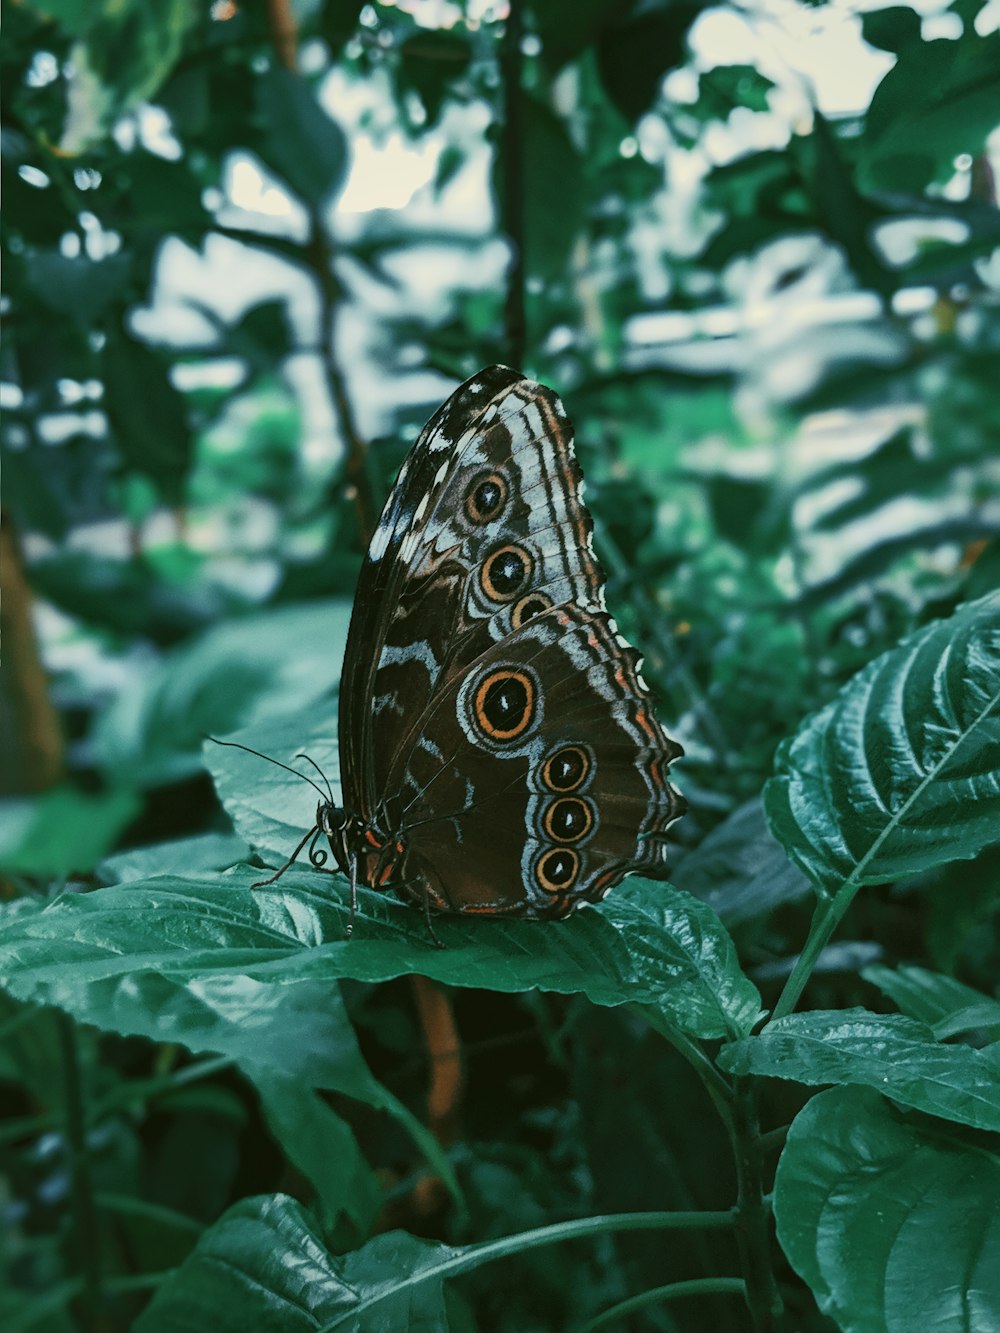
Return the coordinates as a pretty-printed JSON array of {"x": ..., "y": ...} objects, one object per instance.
[
  {"x": 553, "y": 784},
  {"x": 480, "y": 594},
  {"x": 483, "y": 528}
]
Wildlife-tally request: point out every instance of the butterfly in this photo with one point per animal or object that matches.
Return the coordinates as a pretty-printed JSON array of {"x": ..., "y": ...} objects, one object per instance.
[{"x": 499, "y": 752}]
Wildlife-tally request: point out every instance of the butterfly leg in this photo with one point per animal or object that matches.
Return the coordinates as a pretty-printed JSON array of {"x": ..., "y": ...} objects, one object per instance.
[
  {"x": 349, "y": 929},
  {"x": 438, "y": 943},
  {"x": 290, "y": 862}
]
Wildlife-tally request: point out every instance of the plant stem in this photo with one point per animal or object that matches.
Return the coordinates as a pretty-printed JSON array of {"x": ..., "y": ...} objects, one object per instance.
[
  {"x": 825, "y": 921},
  {"x": 320, "y": 255},
  {"x": 672, "y": 1291},
  {"x": 511, "y": 151},
  {"x": 469, "y": 1257},
  {"x": 85, "y": 1232},
  {"x": 753, "y": 1224}
]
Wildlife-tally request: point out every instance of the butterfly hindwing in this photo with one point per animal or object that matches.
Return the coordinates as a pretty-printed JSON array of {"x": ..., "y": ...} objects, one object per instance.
[{"x": 540, "y": 775}]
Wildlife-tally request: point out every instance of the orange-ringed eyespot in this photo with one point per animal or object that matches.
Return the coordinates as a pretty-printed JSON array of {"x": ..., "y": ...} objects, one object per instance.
[
  {"x": 506, "y": 573},
  {"x": 557, "y": 869},
  {"x": 567, "y": 769},
  {"x": 485, "y": 498},
  {"x": 529, "y": 607},
  {"x": 568, "y": 820},
  {"x": 505, "y": 704}
]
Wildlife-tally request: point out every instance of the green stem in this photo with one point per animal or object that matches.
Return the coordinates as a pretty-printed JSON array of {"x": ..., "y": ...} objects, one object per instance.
[
  {"x": 85, "y": 1230},
  {"x": 753, "y": 1236},
  {"x": 715, "y": 1083},
  {"x": 825, "y": 921},
  {"x": 702, "y": 1286},
  {"x": 474, "y": 1256}
]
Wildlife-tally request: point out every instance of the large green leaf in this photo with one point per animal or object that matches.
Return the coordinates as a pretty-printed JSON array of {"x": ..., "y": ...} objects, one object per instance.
[
  {"x": 111, "y": 956},
  {"x": 635, "y": 52},
  {"x": 670, "y": 937},
  {"x": 901, "y": 771},
  {"x": 895, "y": 1055},
  {"x": 251, "y": 669},
  {"x": 939, "y": 99},
  {"x": 894, "y": 1225}
]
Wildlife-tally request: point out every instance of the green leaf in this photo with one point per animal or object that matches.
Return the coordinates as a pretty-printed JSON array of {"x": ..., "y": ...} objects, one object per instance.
[
  {"x": 939, "y": 99},
  {"x": 263, "y": 1267},
  {"x": 77, "y": 287},
  {"x": 901, "y": 771},
  {"x": 121, "y": 58},
  {"x": 148, "y": 414},
  {"x": 267, "y": 806},
  {"x": 636, "y": 52},
  {"x": 321, "y": 1145},
  {"x": 725, "y": 87},
  {"x": 947, "y": 1006},
  {"x": 62, "y": 831},
  {"x": 203, "y": 851},
  {"x": 891, "y": 29},
  {"x": 251, "y": 669},
  {"x": 185, "y": 981},
  {"x": 300, "y": 141},
  {"x": 895, "y": 1055},
  {"x": 894, "y": 1226},
  {"x": 98, "y": 954},
  {"x": 568, "y": 27},
  {"x": 430, "y": 62},
  {"x": 739, "y": 869},
  {"x": 553, "y": 190}
]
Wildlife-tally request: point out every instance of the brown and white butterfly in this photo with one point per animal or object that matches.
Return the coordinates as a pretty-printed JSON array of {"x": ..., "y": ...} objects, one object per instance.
[{"x": 499, "y": 752}]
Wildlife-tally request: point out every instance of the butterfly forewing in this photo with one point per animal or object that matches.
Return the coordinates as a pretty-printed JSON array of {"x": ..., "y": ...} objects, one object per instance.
[{"x": 493, "y": 720}]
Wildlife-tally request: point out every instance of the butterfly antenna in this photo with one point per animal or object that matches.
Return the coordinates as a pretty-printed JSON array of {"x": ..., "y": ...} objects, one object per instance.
[
  {"x": 235, "y": 745},
  {"x": 310, "y": 760}
]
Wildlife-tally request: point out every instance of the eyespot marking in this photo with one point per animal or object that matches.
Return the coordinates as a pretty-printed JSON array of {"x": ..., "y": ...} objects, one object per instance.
[
  {"x": 567, "y": 769},
  {"x": 568, "y": 820},
  {"x": 486, "y": 498},
  {"x": 506, "y": 573},
  {"x": 534, "y": 604},
  {"x": 505, "y": 705},
  {"x": 556, "y": 869}
]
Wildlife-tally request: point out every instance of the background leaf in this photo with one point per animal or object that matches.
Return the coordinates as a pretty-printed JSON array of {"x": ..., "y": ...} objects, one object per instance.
[{"x": 250, "y": 669}]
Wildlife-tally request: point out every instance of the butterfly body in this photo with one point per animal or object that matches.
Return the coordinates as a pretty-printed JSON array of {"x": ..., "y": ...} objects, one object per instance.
[{"x": 499, "y": 751}]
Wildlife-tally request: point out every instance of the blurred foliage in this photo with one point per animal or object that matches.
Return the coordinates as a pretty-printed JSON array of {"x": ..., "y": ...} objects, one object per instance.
[{"x": 775, "y": 321}]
